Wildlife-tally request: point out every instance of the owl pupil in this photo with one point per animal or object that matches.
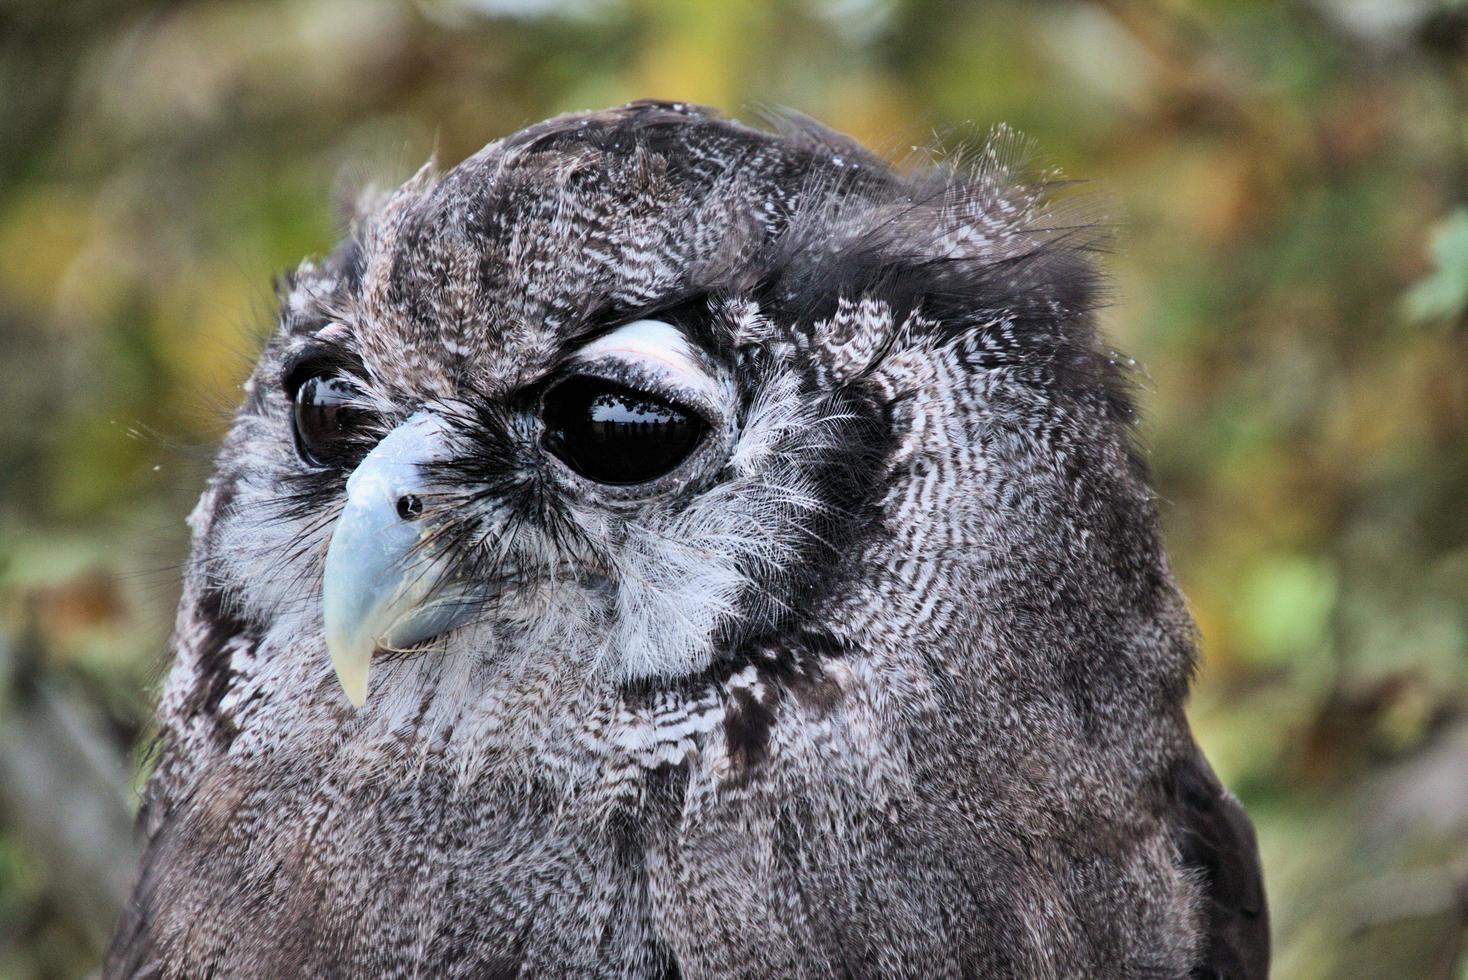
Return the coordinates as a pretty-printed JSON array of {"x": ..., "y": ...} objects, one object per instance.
[
  {"x": 614, "y": 434},
  {"x": 324, "y": 417}
]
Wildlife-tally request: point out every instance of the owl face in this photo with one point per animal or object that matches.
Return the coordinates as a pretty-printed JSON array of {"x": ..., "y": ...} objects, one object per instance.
[
  {"x": 637, "y": 493},
  {"x": 632, "y": 390}
]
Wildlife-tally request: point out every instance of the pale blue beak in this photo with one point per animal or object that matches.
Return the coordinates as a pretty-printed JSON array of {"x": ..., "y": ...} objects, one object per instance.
[{"x": 383, "y": 588}]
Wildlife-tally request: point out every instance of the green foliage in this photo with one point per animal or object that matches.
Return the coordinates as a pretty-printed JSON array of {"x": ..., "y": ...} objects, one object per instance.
[
  {"x": 1288, "y": 183},
  {"x": 1443, "y": 293}
]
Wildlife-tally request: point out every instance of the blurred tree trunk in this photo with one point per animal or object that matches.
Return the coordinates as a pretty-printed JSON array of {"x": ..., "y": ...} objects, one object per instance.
[{"x": 64, "y": 791}]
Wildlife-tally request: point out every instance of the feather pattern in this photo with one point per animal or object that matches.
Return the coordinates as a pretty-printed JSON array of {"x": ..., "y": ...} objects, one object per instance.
[{"x": 886, "y": 680}]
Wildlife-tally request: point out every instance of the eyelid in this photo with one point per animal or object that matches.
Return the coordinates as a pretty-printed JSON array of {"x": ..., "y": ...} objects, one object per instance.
[
  {"x": 653, "y": 339},
  {"x": 318, "y": 359},
  {"x": 634, "y": 376},
  {"x": 654, "y": 356}
]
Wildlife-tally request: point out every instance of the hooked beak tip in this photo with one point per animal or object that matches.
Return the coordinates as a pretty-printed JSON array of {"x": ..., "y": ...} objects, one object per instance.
[{"x": 351, "y": 661}]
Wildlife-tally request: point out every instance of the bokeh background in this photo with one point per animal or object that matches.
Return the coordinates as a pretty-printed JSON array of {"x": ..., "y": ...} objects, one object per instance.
[{"x": 1290, "y": 184}]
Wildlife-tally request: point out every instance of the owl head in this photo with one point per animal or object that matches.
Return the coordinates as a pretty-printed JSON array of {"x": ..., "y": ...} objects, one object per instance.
[
  {"x": 657, "y": 545},
  {"x": 648, "y": 399}
]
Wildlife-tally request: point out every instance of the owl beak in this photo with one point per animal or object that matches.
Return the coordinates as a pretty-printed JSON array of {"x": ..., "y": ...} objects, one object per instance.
[{"x": 383, "y": 587}]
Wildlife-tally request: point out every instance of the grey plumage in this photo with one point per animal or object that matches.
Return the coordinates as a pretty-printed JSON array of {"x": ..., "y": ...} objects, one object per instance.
[{"x": 886, "y": 679}]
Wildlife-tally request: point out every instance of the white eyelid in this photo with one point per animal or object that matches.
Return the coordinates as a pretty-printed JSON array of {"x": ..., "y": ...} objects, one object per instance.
[{"x": 660, "y": 348}]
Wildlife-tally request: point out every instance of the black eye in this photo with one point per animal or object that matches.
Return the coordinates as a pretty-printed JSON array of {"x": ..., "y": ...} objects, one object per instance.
[
  {"x": 326, "y": 419},
  {"x": 614, "y": 434}
]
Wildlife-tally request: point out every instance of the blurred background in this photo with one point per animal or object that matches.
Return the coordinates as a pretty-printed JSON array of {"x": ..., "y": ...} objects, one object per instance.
[{"x": 1291, "y": 182}]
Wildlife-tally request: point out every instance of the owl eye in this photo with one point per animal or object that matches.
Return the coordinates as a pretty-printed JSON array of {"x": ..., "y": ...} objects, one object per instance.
[
  {"x": 325, "y": 419},
  {"x": 614, "y": 434}
]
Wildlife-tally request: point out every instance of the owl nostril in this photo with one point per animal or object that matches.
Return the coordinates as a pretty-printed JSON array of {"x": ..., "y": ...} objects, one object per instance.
[{"x": 409, "y": 506}]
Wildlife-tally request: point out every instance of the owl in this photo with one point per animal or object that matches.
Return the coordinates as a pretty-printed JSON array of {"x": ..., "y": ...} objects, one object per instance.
[{"x": 658, "y": 547}]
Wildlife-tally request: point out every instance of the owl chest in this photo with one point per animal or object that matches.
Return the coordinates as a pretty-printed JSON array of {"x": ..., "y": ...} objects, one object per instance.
[
  {"x": 755, "y": 880},
  {"x": 728, "y": 894}
]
